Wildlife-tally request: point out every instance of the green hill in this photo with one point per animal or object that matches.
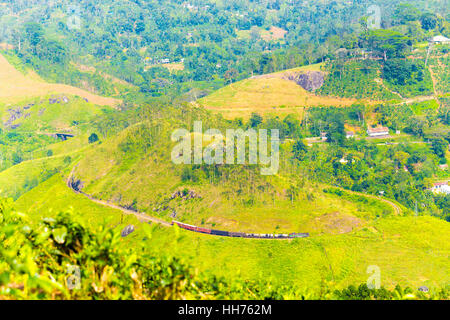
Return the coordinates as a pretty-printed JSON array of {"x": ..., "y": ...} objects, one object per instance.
[
  {"x": 345, "y": 82},
  {"x": 349, "y": 231},
  {"x": 276, "y": 93},
  {"x": 410, "y": 251}
]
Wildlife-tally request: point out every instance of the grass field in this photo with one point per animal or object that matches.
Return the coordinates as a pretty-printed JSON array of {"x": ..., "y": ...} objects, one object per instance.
[
  {"x": 16, "y": 86},
  {"x": 172, "y": 67},
  {"x": 268, "y": 94},
  {"x": 275, "y": 34}
]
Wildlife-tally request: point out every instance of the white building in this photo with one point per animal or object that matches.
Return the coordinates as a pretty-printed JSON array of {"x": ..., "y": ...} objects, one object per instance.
[
  {"x": 378, "y": 132},
  {"x": 440, "y": 40},
  {"x": 350, "y": 134},
  {"x": 441, "y": 187}
]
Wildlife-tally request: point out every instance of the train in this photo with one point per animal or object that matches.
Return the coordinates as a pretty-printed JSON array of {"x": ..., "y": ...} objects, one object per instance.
[{"x": 238, "y": 234}]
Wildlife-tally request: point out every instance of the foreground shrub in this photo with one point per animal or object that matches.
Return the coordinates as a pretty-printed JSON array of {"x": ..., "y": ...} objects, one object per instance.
[{"x": 59, "y": 258}]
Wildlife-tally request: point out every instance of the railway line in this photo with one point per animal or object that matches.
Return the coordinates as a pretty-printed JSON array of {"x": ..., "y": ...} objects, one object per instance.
[{"x": 143, "y": 217}]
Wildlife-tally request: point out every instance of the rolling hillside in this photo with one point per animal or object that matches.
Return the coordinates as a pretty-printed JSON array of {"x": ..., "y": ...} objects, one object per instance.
[
  {"x": 16, "y": 87},
  {"x": 308, "y": 182},
  {"x": 410, "y": 251},
  {"x": 276, "y": 93},
  {"x": 339, "y": 84}
]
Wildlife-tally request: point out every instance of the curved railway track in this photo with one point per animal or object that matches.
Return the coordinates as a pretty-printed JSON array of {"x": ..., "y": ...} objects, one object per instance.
[{"x": 143, "y": 217}]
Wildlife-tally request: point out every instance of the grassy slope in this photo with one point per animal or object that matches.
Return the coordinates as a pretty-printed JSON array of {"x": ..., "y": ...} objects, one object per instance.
[
  {"x": 46, "y": 117},
  {"x": 53, "y": 196},
  {"x": 358, "y": 80},
  {"x": 26, "y": 175},
  {"x": 20, "y": 178},
  {"x": 149, "y": 179},
  {"x": 272, "y": 94},
  {"x": 15, "y": 86},
  {"x": 439, "y": 66},
  {"x": 267, "y": 94},
  {"x": 62, "y": 147},
  {"x": 409, "y": 250}
]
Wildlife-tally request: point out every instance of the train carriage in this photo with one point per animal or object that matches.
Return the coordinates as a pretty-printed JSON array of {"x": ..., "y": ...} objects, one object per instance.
[
  {"x": 298, "y": 235},
  {"x": 204, "y": 230},
  {"x": 237, "y": 234},
  {"x": 185, "y": 226},
  {"x": 220, "y": 233}
]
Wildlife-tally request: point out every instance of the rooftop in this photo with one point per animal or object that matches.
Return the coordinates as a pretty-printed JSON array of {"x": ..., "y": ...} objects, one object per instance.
[
  {"x": 378, "y": 129},
  {"x": 440, "y": 39}
]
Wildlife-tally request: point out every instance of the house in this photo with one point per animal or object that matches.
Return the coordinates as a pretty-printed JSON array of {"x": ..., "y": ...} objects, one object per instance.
[
  {"x": 378, "y": 132},
  {"x": 441, "y": 187},
  {"x": 323, "y": 136},
  {"x": 440, "y": 39},
  {"x": 350, "y": 134}
]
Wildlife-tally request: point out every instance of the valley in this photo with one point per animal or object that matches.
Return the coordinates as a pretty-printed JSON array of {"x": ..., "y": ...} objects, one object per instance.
[{"x": 88, "y": 122}]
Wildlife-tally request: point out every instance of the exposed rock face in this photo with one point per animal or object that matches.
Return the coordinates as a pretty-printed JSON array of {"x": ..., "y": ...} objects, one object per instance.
[
  {"x": 311, "y": 80},
  {"x": 14, "y": 114}
]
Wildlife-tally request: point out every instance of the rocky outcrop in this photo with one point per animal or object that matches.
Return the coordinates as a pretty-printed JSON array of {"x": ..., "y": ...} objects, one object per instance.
[
  {"x": 310, "y": 81},
  {"x": 185, "y": 195}
]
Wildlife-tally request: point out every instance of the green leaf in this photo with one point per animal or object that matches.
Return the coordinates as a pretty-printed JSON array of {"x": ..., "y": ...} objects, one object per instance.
[{"x": 60, "y": 235}]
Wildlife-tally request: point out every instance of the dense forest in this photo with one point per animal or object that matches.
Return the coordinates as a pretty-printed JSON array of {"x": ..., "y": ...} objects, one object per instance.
[{"x": 213, "y": 41}]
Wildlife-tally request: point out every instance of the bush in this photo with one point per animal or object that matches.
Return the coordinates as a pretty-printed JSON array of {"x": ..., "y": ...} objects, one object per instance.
[{"x": 93, "y": 138}]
